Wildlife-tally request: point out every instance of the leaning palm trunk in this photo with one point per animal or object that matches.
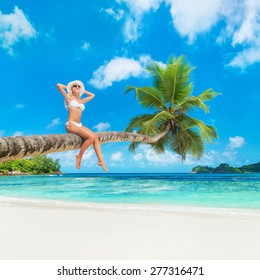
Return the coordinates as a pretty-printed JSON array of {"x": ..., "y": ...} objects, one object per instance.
[{"x": 17, "y": 147}]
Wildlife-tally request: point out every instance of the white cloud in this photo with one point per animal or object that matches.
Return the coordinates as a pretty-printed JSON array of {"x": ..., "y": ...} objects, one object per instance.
[
  {"x": 18, "y": 133},
  {"x": 147, "y": 155},
  {"x": 193, "y": 17},
  {"x": 250, "y": 27},
  {"x": 240, "y": 21},
  {"x": 117, "y": 69},
  {"x": 85, "y": 46},
  {"x": 102, "y": 126},
  {"x": 246, "y": 57},
  {"x": 14, "y": 27},
  {"x": 142, "y": 6},
  {"x": 19, "y": 106},
  {"x": 237, "y": 21},
  {"x": 138, "y": 157},
  {"x": 68, "y": 158},
  {"x": 117, "y": 15},
  {"x": 137, "y": 9},
  {"x": 2, "y": 132},
  {"x": 54, "y": 123},
  {"x": 117, "y": 156},
  {"x": 236, "y": 142}
]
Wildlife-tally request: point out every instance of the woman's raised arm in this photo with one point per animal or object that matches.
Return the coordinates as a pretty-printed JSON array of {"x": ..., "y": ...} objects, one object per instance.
[
  {"x": 61, "y": 88},
  {"x": 87, "y": 99}
]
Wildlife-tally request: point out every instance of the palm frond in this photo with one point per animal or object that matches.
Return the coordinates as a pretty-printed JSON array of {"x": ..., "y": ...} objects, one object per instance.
[
  {"x": 150, "y": 97},
  {"x": 138, "y": 121},
  {"x": 132, "y": 147},
  {"x": 160, "y": 146},
  {"x": 128, "y": 89},
  {"x": 157, "y": 123},
  {"x": 186, "y": 141},
  {"x": 207, "y": 132},
  {"x": 190, "y": 103},
  {"x": 208, "y": 95},
  {"x": 182, "y": 87}
]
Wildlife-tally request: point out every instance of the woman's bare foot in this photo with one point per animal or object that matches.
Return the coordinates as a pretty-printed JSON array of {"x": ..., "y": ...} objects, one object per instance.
[
  {"x": 78, "y": 161},
  {"x": 102, "y": 164}
]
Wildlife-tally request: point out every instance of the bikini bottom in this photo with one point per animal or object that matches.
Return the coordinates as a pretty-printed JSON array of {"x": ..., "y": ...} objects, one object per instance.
[{"x": 77, "y": 124}]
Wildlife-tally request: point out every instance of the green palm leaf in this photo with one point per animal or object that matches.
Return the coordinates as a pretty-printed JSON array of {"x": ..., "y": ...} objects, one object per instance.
[
  {"x": 138, "y": 121},
  {"x": 207, "y": 95},
  {"x": 157, "y": 123},
  {"x": 190, "y": 103},
  {"x": 149, "y": 97},
  {"x": 207, "y": 132}
]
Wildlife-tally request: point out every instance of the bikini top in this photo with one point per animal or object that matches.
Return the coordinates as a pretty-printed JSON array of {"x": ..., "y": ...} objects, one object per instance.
[{"x": 75, "y": 104}]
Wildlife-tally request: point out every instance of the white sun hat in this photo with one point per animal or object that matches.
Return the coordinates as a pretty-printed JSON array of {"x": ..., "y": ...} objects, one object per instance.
[{"x": 76, "y": 82}]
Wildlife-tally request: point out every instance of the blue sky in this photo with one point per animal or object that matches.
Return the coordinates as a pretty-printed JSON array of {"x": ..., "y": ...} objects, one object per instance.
[{"x": 107, "y": 45}]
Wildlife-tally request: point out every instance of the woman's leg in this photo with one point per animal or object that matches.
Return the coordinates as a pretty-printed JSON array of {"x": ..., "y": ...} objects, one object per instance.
[
  {"x": 92, "y": 138},
  {"x": 97, "y": 148}
]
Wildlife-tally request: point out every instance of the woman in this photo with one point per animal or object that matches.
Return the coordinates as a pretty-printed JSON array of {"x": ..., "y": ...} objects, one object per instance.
[{"x": 75, "y": 106}]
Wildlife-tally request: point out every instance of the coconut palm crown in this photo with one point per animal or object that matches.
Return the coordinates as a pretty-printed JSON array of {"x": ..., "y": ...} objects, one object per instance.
[{"x": 171, "y": 99}]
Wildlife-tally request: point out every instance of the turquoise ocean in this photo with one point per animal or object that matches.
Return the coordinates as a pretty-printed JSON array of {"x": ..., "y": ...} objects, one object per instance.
[{"x": 194, "y": 190}]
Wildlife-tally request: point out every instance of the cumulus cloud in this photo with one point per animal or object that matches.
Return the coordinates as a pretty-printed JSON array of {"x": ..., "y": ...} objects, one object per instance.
[
  {"x": 117, "y": 156},
  {"x": 138, "y": 157},
  {"x": 240, "y": 21},
  {"x": 117, "y": 69},
  {"x": 246, "y": 57},
  {"x": 67, "y": 159},
  {"x": 19, "y": 106},
  {"x": 116, "y": 14},
  {"x": 54, "y": 123},
  {"x": 236, "y": 142},
  {"x": 14, "y": 27},
  {"x": 237, "y": 21},
  {"x": 193, "y": 17},
  {"x": 134, "y": 19},
  {"x": 145, "y": 154},
  {"x": 102, "y": 126},
  {"x": 85, "y": 46},
  {"x": 18, "y": 133}
]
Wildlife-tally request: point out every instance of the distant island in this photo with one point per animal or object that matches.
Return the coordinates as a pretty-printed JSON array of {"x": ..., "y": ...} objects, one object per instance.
[
  {"x": 226, "y": 168},
  {"x": 32, "y": 166}
]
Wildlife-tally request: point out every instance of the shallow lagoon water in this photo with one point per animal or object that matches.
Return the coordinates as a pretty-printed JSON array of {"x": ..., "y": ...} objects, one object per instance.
[{"x": 200, "y": 190}]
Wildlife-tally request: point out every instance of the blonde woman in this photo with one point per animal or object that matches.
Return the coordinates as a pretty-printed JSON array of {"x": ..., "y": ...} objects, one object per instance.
[{"x": 75, "y": 106}]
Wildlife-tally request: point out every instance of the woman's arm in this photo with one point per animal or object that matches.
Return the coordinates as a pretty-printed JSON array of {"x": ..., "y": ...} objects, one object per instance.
[
  {"x": 61, "y": 88},
  {"x": 87, "y": 99}
]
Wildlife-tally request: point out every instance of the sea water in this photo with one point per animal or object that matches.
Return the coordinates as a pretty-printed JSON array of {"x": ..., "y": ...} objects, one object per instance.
[{"x": 199, "y": 190}]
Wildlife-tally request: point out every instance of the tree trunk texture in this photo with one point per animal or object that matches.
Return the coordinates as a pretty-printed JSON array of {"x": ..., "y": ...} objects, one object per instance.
[{"x": 16, "y": 147}]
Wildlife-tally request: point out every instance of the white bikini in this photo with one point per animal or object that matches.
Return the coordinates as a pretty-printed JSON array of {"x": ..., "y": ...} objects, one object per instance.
[{"x": 75, "y": 104}]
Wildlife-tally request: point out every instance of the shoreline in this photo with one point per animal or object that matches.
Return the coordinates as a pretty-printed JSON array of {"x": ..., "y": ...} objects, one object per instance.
[
  {"x": 42, "y": 230},
  {"x": 163, "y": 208}
]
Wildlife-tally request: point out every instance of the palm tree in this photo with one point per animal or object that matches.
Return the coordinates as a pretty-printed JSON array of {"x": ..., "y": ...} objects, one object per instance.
[
  {"x": 170, "y": 98},
  {"x": 167, "y": 127}
]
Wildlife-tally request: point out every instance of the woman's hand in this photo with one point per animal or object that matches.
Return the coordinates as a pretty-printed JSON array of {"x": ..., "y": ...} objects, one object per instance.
[
  {"x": 87, "y": 99},
  {"x": 89, "y": 93},
  {"x": 61, "y": 86}
]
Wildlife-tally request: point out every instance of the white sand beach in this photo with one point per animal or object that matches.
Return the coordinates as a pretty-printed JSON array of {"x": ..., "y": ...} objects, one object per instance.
[{"x": 45, "y": 230}]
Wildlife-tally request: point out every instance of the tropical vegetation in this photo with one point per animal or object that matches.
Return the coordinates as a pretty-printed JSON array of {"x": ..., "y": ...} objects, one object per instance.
[
  {"x": 170, "y": 97},
  {"x": 35, "y": 165},
  {"x": 226, "y": 168}
]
